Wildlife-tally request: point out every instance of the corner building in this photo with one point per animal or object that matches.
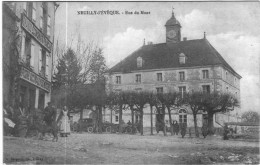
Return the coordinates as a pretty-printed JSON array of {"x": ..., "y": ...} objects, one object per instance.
[
  {"x": 177, "y": 65},
  {"x": 35, "y": 46}
]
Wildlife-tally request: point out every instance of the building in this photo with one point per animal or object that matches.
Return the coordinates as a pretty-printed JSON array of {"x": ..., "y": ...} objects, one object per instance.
[
  {"x": 34, "y": 22},
  {"x": 176, "y": 65}
]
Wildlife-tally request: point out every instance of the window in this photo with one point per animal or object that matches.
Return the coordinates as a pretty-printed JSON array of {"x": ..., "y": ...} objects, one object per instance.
[
  {"x": 182, "y": 91},
  {"x": 41, "y": 63},
  {"x": 47, "y": 64},
  {"x": 27, "y": 51},
  {"x": 117, "y": 118},
  {"x": 182, "y": 58},
  {"x": 25, "y": 7},
  {"x": 41, "y": 17},
  {"x": 182, "y": 76},
  {"x": 235, "y": 81},
  {"x": 32, "y": 55},
  {"x": 159, "y": 76},
  {"x": 45, "y": 17},
  {"x": 183, "y": 116},
  {"x": 118, "y": 90},
  {"x": 138, "y": 78},
  {"x": 49, "y": 26},
  {"x": 138, "y": 90},
  {"x": 205, "y": 74},
  {"x": 34, "y": 11},
  {"x": 226, "y": 75},
  {"x": 159, "y": 90},
  {"x": 139, "y": 62},
  {"x": 118, "y": 79},
  {"x": 206, "y": 88}
]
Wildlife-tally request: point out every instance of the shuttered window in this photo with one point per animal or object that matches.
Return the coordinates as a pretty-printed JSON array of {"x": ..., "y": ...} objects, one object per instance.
[
  {"x": 40, "y": 61},
  {"x": 47, "y": 64},
  {"x": 34, "y": 12},
  {"x": 32, "y": 55}
]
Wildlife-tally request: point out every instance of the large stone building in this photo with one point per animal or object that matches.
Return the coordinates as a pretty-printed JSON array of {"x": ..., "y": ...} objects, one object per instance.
[
  {"x": 34, "y": 22},
  {"x": 177, "y": 65}
]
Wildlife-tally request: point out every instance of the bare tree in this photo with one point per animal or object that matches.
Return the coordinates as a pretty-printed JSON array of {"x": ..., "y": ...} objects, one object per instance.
[
  {"x": 170, "y": 100},
  {"x": 217, "y": 102}
]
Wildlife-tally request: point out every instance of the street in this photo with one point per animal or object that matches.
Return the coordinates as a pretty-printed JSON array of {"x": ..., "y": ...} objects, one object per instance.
[{"x": 129, "y": 149}]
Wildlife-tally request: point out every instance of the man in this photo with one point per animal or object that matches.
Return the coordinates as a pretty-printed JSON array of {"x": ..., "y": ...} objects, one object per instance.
[{"x": 50, "y": 114}]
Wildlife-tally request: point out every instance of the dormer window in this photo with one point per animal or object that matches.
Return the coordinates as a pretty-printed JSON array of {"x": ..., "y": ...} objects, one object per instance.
[
  {"x": 182, "y": 58},
  {"x": 139, "y": 62}
]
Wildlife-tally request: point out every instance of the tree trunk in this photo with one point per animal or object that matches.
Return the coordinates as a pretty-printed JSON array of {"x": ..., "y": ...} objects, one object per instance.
[
  {"x": 170, "y": 120},
  {"x": 151, "y": 108},
  {"x": 164, "y": 125},
  {"x": 120, "y": 118},
  {"x": 100, "y": 121},
  {"x": 80, "y": 119},
  {"x": 132, "y": 117},
  {"x": 141, "y": 121},
  {"x": 195, "y": 125},
  {"x": 111, "y": 114},
  {"x": 210, "y": 123}
]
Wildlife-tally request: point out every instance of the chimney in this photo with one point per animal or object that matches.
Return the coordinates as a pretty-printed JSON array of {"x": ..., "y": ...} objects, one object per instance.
[
  {"x": 184, "y": 38},
  {"x": 150, "y": 43}
]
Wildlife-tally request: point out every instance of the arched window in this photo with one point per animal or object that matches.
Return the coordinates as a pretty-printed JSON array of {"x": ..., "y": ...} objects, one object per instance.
[
  {"x": 139, "y": 62},
  {"x": 182, "y": 58},
  {"x": 182, "y": 116}
]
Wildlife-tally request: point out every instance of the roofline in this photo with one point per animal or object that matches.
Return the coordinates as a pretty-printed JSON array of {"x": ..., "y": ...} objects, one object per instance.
[
  {"x": 235, "y": 73},
  {"x": 225, "y": 62},
  {"x": 162, "y": 69}
]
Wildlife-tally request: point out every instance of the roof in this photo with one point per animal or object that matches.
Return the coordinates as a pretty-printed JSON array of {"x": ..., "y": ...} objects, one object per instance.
[
  {"x": 164, "y": 55},
  {"x": 172, "y": 21}
]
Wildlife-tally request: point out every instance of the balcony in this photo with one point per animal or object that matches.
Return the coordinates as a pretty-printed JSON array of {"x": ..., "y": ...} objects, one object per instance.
[{"x": 33, "y": 78}]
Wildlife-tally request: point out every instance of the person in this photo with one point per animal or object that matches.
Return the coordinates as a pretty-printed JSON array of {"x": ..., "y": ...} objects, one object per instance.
[
  {"x": 49, "y": 114},
  {"x": 183, "y": 127},
  {"x": 225, "y": 133},
  {"x": 129, "y": 122},
  {"x": 204, "y": 130},
  {"x": 8, "y": 123},
  {"x": 65, "y": 123},
  {"x": 175, "y": 127}
]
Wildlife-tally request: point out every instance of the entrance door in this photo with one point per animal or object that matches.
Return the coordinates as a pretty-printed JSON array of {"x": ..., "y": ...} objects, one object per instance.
[
  {"x": 41, "y": 100},
  {"x": 31, "y": 99}
]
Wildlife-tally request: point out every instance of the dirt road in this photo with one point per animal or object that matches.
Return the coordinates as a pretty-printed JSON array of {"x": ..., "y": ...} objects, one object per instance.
[{"x": 129, "y": 149}]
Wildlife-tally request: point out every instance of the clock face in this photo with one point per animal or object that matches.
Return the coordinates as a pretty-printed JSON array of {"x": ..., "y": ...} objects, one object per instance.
[{"x": 171, "y": 34}]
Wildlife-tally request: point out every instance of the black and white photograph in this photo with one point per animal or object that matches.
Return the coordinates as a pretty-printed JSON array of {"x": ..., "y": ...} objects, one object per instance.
[{"x": 128, "y": 82}]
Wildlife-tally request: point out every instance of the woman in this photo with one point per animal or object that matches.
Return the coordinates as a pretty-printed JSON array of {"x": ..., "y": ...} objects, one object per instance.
[
  {"x": 65, "y": 123},
  {"x": 175, "y": 127}
]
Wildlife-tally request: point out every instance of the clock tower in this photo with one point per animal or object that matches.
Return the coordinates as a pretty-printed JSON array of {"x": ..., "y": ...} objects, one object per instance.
[{"x": 173, "y": 30}]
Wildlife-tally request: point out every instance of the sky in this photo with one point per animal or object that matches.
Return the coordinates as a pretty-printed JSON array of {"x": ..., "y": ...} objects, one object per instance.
[{"x": 231, "y": 27}]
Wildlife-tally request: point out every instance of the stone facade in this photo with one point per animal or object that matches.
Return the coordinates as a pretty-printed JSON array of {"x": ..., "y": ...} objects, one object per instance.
[
  {"x": 36, "y": 31},
  {"x": 202, "y": 70}
]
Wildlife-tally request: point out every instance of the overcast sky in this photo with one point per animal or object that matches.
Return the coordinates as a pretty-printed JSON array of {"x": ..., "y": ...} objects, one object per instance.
[{"x": 231, "y": 27}]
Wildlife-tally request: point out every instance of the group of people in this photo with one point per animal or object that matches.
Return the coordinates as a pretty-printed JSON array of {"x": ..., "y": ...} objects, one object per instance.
[
  {"x": 11, "y": 118},
  {"x": 50, "y": 115}
]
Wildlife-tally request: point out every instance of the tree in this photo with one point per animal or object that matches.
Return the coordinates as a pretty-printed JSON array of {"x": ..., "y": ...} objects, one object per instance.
[
  {"x": 250, "y": 116},
  {"x": 217, "y": 102},
  {"x": 66, "y": 79},
  {"x": 11, "y": 56},
  {"x": 140, "y": 99},
  {"x": 129, "y": 100},
  {"x": 170, "y": 99},
  {"x": 117, "y": 102},
  {"x": 195, "y": 101},
  {"x": 152, "y": 100},
  {"x": 97, "y": 66}
]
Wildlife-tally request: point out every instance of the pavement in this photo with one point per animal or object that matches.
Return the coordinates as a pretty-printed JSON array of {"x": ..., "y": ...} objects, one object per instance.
[{"x": 88, "y": 148}]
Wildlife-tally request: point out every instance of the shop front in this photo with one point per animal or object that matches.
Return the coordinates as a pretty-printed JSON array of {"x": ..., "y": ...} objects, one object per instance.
[{"x": 34, "y": 91}]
